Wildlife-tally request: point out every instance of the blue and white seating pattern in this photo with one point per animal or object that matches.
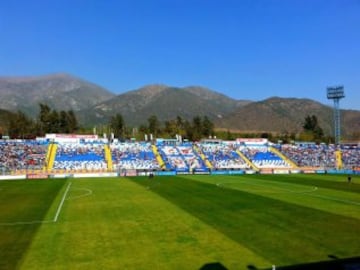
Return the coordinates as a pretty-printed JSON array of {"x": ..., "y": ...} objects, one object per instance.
[
  {"x": 191, "y": 158},
  {"x": 133, "y": 156},
  {"x": 173, "y": 158},
  {"x": 223, "y": 156},
  {"x": 263, "y": 158},
  {"x": 80, "y": 156}
]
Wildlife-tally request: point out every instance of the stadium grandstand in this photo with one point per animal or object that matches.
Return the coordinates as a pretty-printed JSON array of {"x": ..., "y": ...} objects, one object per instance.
[{"x": 63, "y": 153}]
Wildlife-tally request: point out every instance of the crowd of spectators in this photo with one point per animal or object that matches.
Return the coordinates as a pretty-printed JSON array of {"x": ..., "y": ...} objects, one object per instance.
[
  {"x": 191, "y": 158},
  {"x": 262, "y": 157},
  {"x": 350, "y": 156},
  {"x": 22, "y": 155},
  {"x": 223, "y": 156},
  {"x": 80, "y": 156},
  {"x": 173, "y": 158},
  {"x": 90, "y": 156},
  {"x": 133, "y": 156},
  {"x": 311, "y": 155}
]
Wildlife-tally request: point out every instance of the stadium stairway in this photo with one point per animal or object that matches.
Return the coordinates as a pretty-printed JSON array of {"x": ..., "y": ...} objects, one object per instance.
[
  {"x": 283, "y": 157},
  {"x": 158, "y": 156},
  {"x": 50, "y": 157},
  {"x": 252, "y": 165},
  {"x": 202, "y": 156},
  {"x": 108, "y": 157},
  {"x": 338, "y": 157}
]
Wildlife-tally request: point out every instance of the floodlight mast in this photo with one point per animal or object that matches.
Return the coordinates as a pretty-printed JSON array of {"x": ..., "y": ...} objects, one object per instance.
[{"x": 336, "y": 93}]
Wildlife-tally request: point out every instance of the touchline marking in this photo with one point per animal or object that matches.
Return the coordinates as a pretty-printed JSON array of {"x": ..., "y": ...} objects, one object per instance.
[
  {"x": 88, "y": 193},
  {"x": 61, "y": 203},
  {"x": 276, "y": 189},
  {"x": 26, "y": 222},
  {"x": 309, "y": 193},
  {"x": 334, "y": 199},
  {"x": 16, "y": 223}
]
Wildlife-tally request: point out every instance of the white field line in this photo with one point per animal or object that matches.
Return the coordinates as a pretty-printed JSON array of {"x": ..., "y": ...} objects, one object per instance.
[
  {"x": 26, "y": 222},
  {"x": 275, "y": 189},
  {"x": 309, "y": 193},
  {"x": 334, "y": 199},
  {"x": 61, "y": 203},
  {"x": 40, "y": 221},
  {"x": 87, "y": 193}
]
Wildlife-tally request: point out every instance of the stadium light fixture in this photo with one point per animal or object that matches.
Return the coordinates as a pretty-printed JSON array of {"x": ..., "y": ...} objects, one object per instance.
[{"x": 336, "y": 93}]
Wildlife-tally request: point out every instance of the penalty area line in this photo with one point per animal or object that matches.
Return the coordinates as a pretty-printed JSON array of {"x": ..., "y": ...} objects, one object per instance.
[
  {"x": 61, "y": 203},
  {"x": 41, "y": 221}
]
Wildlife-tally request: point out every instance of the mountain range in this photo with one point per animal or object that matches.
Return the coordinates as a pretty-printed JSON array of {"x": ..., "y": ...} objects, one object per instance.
[{"x": 95, "y": 105}]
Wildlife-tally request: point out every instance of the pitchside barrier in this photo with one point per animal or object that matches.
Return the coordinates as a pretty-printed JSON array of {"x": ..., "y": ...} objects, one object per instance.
[{"x": 130, "y": 173}]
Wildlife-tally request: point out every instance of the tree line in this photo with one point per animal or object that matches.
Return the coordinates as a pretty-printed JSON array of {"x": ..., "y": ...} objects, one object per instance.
[
  {"x": 48, "y": 121},
  {"x": 196, "y": 129},
  {"x": 52, "y": 121}
]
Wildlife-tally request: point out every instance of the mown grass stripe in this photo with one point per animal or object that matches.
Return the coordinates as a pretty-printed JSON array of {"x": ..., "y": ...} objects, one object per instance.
[
  {"x": 25, "y": 202},
  {"x": 335, "y": 182},
  {"x": 328, "y": 200},
  {"x": 124, "y": 226},
  {"x": 279, "y": 231}
]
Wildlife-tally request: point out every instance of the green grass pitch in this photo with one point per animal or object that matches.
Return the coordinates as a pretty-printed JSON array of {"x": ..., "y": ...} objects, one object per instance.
[{"x": 182, "y": 222}]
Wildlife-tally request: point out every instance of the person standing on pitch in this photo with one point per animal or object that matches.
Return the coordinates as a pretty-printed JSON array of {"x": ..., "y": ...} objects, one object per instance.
[{"x": 349, "y": 178}]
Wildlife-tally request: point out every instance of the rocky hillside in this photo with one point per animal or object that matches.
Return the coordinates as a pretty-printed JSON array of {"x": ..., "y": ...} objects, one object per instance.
[
  {"x": 165, "y": 102},
  {"x": 287, "y": 115},
  {"x": 59, "y": 91},
  {"x": 95, "y": 105}
]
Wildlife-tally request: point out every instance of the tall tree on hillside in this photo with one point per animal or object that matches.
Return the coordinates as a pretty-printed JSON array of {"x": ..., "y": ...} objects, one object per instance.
[
  {"x": 207, "y": 127},
  {"x": 180, "y": 124},
  {"x": 117, "y": 125},
  {"x": 311, "y": 125},
  {"x": 51, "y": 121},
  {"x": 21, "y": 126},
  {"x": 63, "y": 122},
  {"x": 54, "y": 126},
  {"x": 44, "y": 118},
  {"x": 189, "y": 131},
  {"x": 154, "y": 125},
  {"x": 171, "y": 128},
  {"x": 197, "y": 127},
  {"x": 72, "y": 122}
]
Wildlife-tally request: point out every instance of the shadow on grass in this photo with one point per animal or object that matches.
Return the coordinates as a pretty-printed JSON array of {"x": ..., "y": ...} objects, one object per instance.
[
  {"x": 213, "y": 266},
  {"x": 30, "y": 201},
  {"x": 253, "y": 220},
  {"x": 336, "y": 264}
]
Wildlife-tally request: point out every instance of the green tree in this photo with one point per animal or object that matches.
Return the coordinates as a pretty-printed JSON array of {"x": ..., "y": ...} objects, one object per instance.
[
  {"x": 44, "y": 118},
  {"x": 207, "y": 127},
  {"x": 72, "y": 122},
  {"x": 51, "y": 121},
  {"x": 63, "y": 122},
  {"x": 54, "y": 121},
  {"x": 117, "y": 125},
  {"x": 154, "y": 125},
  {"x": 311, "y": 126},
  {"x": 197, "y": 127},
  {"x": 189, "y": 131},
  {"x": 21, "y": 126},
  {"x": 171, "y": 128},
  {"x": 229, "y": 135}
]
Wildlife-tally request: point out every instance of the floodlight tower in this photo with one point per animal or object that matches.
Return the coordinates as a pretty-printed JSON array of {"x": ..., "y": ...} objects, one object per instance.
[{"x": 336, "y": 93}]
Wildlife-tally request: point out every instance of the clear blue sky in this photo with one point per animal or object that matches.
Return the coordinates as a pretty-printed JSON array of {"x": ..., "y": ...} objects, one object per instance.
[{"x": 251, "y": 49}]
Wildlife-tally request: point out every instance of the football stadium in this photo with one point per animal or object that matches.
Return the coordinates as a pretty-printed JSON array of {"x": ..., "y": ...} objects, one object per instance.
[
  {"x": 84, "y": 202},
  {"x": 179, "y": 135}
]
